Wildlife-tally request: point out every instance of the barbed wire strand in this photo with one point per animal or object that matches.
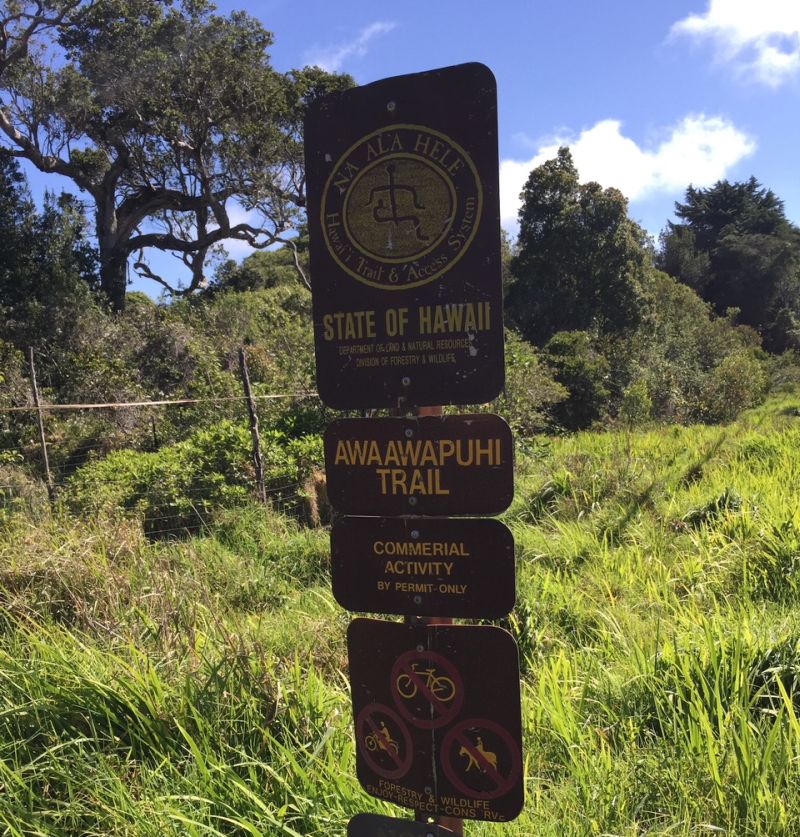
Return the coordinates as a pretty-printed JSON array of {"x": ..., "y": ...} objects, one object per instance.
[{"x": 163, "y": 403}]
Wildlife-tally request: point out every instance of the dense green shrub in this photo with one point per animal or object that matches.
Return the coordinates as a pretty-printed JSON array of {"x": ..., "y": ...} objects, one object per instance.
[
  {"x": 584, "y": 372},
  {"x": 737, "y": 382},
  {"x": 530, "y": 390},
  {"x": 19, "y": 491},
  {"x": 180, "y": 486},
  {"x": 637, "y": 405}
]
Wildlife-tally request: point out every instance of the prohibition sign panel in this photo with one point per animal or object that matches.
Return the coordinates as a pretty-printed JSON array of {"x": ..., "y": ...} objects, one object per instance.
[
  {"x": 462, "y": 567},
  {"x": 455, "y": 692},
  {"x": 375, "y": 825},
  {"x": 430, "y": 465},
  {"x": 404, "y": 226}
]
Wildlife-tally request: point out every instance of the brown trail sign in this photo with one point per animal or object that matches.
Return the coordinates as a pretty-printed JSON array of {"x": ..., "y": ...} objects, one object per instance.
[
  {"x": 404, "y": 225},
  {"x": 429, "y": 466},
  {"x": 374, "y": 825},
  {"x": 437, "y": 717},
  {"x": 414, "y": 566}
]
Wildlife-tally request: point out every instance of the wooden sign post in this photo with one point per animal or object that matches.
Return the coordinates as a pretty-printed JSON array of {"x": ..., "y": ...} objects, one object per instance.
[{"x": 404, "y": 225}]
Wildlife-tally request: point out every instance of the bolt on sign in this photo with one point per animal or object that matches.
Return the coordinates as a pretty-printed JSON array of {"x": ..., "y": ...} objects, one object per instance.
[
  {"x": 431, "y": 465},
  {"x": 374, "y": 825},
  {"x": 404, "y": 225},
  {"x": 437, "y": 717},
  {"x": 413, "y": 566}
]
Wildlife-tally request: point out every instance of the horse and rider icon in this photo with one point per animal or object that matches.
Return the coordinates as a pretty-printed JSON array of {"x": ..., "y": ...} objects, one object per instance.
[
  {"x": 487, "y": 757},
  {"x": 481, "y": 759}
]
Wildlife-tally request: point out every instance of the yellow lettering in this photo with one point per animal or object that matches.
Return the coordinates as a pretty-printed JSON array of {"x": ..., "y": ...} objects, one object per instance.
[{"x": 341, "y": 454}]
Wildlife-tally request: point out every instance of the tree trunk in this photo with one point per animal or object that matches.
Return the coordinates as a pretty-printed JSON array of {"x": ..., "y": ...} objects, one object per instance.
[
  {"x": 114, "y": 280},
  {"x": 113, "y": 255}
]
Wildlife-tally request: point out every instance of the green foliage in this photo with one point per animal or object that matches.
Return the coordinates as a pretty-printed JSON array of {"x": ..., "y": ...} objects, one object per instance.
[
  {"x": 736, "y": 248},
  {"x": 583, "y": 372},
  {"x": 530, "y": 390},
  {"x": 179, "y": 487},
  {"x": 154, "y": 687},
  {"x": 637, "y": 405},
  {"x": 737, "y": 382},
  {"x": 46, "y": 263},
  {"x": 166, "y": 115},
  {"x": 265, "y": 268},
  {"x": 580, "y": 263},
  {"x": 19, "y": 491},
  {"x": 686, "y": 365}
]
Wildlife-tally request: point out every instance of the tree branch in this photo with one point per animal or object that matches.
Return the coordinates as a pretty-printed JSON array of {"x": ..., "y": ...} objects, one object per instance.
[
  {"x": 143, "y": 269},
  {"x": 44, "y": 162},
  {"x": 239, "y": 232},
  {"x": 298, "y": 267}
]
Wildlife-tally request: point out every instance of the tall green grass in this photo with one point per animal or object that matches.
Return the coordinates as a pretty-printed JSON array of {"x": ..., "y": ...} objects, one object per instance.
[{"x": 200, "y": 687}]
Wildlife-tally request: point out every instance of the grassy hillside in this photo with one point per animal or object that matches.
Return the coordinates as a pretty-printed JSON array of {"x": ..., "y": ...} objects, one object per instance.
[{"x": 200, "y": 687}]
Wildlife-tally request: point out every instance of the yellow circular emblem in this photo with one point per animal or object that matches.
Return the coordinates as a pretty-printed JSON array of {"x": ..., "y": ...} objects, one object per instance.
[{"x": 401, "y": 207}]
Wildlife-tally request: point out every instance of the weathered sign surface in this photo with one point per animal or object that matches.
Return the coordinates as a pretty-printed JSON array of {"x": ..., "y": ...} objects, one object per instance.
[
  {"x": 458, "y": 567},
  {"x": 404, "y": 224},
  {"x": 437, "y": 717},
  {"x": 451, "y": 465},
  {"x": 374, "y": 825}
]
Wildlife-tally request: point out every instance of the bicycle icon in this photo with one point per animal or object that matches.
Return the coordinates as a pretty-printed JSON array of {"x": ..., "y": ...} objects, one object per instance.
[
  {"x": 426, "y": 688},
  {"x": 440, "y": 686}
]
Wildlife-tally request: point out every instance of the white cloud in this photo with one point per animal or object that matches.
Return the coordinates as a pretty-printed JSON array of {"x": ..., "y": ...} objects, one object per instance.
[
  {"x": 332, "y": 58},
  {"x": 699, "y": 150},
  {"x": 761, "y": 38}
]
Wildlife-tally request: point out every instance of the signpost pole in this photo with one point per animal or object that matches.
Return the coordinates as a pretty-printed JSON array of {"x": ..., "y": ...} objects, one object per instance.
[{"x": 455, "y": 825}]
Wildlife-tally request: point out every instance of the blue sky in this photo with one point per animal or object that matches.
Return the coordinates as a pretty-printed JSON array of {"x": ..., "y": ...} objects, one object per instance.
[{"x": 650, "y": 96}]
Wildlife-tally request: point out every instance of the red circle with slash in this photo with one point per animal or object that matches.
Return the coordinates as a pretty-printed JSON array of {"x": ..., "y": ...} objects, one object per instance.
[
  {"x": 426, "y": 688},
  {"x": 485, "y": 762},
  {"x": 377, "y": 747}
]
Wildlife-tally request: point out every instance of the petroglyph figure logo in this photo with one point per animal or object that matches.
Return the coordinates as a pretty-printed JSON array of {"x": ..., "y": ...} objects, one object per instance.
[
  {"x": 398, "y": 210},
  {"x": 401, "y": 207},
  {"x": 393, "y": 216}
]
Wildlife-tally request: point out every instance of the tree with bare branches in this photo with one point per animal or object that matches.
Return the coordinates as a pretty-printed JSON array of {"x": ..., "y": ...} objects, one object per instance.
[{"x": 168, "y": 116}]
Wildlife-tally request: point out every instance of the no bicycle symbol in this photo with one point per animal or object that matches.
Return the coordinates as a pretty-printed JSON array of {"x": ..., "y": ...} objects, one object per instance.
[
  {"x": 481, "y": 759},
  {"x": 427, "y": 688}
]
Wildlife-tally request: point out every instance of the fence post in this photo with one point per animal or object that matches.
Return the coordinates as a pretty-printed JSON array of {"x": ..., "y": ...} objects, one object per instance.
[
  {"x": 43, "y": 442},
  {"x": 251, "y": 407}
]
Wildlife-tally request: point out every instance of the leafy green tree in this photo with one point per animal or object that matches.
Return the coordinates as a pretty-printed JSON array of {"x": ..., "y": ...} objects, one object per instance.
[
  {"x": 584, "y": 372},
  {"x": 17, "y": 222},
  {"x": 46, "y": 261},
  {"x": 687, "y": 347},
  {"x": 167, "y": 115},
  {"x": 736, "y": 248},
  {"x": 265, "y": 268},
  {"x": 581, "y": 263}
]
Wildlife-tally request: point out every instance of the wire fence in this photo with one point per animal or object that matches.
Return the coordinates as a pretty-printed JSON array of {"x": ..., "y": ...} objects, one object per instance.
[{"x": 37, "y": 467}]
